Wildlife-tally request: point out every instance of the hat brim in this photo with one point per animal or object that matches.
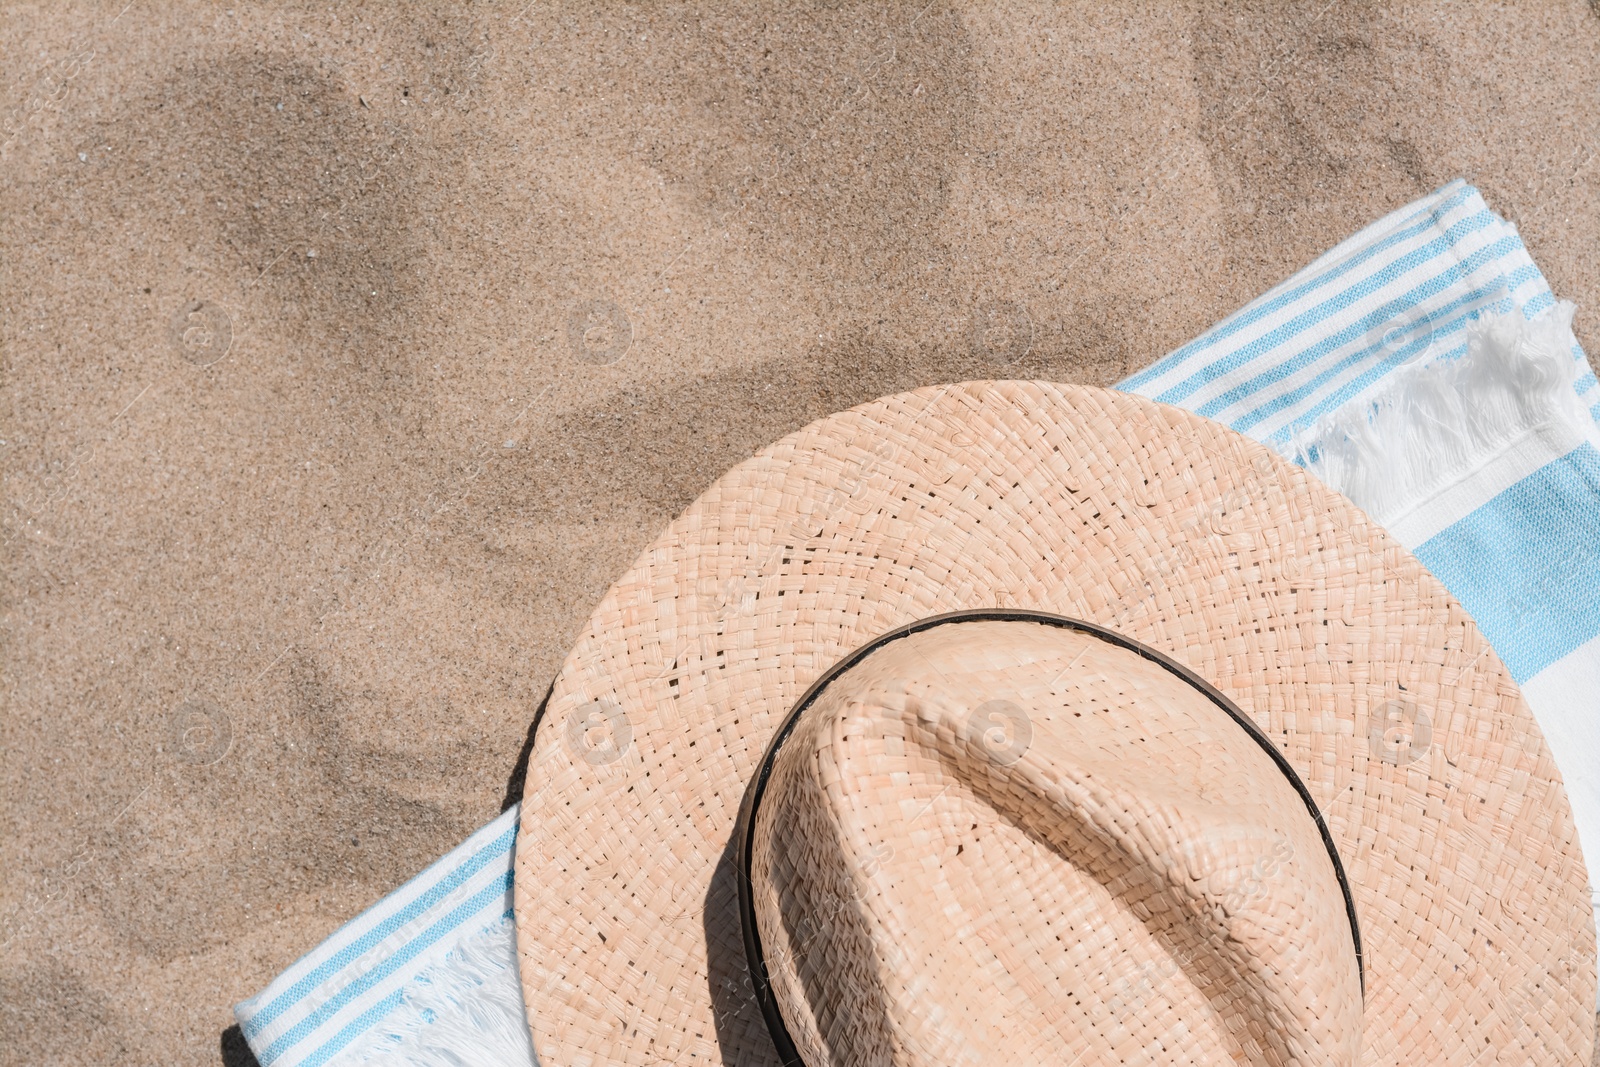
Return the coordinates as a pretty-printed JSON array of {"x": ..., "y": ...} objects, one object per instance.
[{"x": 1429, "y": 770}]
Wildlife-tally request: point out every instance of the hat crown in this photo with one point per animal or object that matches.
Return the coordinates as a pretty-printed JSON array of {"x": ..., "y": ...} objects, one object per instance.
[{"x": 1004, "y": 841}]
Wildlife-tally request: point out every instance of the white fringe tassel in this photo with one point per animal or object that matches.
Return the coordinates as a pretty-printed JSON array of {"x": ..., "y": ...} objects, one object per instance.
[
  {"x": 1447, "y": 416},
  {"x": 465, "y": 1011}
]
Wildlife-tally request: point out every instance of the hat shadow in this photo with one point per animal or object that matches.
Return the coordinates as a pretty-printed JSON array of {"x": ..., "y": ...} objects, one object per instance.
[
  {"x": 825, "y": 912},
  {"x": 741, "y": 1031},
  {"x": 517, "y": 780}
]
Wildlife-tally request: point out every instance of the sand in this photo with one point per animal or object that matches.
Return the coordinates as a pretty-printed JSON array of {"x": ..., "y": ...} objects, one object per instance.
[{"x": 349, "y": 355}]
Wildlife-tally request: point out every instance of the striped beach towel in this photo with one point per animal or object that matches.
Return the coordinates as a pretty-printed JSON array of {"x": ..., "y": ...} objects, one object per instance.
[
  {"x": 1401, "y": 290},
  {"x": 1423, "y": 367},
  {"x": 426, "y": 976}
]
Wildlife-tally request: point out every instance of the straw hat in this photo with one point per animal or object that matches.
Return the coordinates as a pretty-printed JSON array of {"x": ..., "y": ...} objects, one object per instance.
[{"x": 1030, "y": 722}]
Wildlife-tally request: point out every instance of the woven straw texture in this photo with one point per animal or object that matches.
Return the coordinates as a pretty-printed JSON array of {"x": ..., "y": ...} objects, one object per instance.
[
  {"x": 1068, "y": 851},
  {"x": 1442, "y": 798}
]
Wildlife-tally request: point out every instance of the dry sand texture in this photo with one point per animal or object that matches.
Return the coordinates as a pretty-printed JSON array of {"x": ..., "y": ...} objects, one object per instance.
[{"x": 350, "y": 353}]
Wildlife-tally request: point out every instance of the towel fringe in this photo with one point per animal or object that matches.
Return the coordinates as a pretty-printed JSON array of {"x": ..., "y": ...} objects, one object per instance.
[
  {"x": 465, "y": 1011},
  {"x": 1448, "y": 415}
]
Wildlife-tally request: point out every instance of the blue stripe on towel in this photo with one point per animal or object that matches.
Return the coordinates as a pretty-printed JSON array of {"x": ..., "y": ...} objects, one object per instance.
[{"x": 1526, "y": 565}]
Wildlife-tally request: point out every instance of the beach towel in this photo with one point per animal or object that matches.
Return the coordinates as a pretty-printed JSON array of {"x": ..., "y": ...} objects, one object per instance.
[{"x": 1423, "y": 367}]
